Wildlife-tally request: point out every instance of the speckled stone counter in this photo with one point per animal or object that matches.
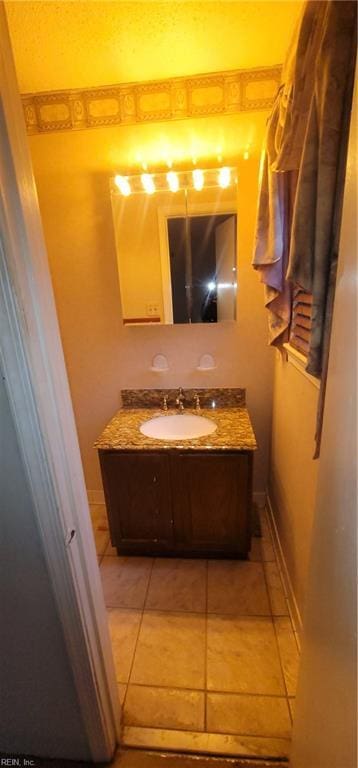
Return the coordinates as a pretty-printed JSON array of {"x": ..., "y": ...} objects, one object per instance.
[{"x": 234, "y": 430}]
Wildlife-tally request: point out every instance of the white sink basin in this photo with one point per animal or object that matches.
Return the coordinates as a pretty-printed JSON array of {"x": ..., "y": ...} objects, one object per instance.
[{"x": 178, "y": 426}]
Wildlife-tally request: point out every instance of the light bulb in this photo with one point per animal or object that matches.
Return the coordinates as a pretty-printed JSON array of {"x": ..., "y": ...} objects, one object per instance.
[
  {"x": 148, "y": 183},
  {"x": 198, "y": 179},
  {"x": 224, "y": 177},
  {"x": 123, "y": 185},
  {"x": 173, "y": 181},
  {"x": 211, "y": 286}
]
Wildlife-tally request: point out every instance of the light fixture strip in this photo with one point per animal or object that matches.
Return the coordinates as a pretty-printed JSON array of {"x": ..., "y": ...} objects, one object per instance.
[
  {"x": 198, "y": 179},
  {"x": 224, "y": 177},
  {"x": 175, "y": 181},
  {"x": 148, "y": 183}
]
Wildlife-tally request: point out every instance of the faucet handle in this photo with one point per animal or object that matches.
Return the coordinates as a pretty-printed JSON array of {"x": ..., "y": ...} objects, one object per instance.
[
  {"x": 180, "y": 399},
  {"x": 180, "y": 396},
  {"x": 165, "y": 403},
  {"x": 197, "y": 401}
]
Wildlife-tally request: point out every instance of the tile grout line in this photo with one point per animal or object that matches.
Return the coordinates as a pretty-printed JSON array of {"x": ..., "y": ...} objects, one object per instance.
[
  {"x": 287, "y": 614},
  {"x": 286, "y": 696},
  {"x": 101, "y": 555},
  {"x": 215, "y": 733},
  {"x": 276, "y": 638},
  {"x": 201, "y": 613},
  {"x": 278, "y": 565},
  {"x": 138, "y": 633},
  {"x": 296, "y": 636},
  {"x": 206, "y": 644},
  {"x": 272, "y": 614},
  {"x": 267, "y": 590},
  {"x": 289, "y": 709},
  {"x": 279, "y": 654},
  {"x": 214, "y": 691}
]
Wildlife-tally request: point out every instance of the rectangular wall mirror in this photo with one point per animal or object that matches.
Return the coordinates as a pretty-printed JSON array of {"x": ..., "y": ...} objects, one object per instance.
[{"x": 177, "y": 246}]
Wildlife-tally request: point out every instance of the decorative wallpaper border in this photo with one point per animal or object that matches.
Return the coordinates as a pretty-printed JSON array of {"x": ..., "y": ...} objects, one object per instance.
[{"x": 218, "y": 93}]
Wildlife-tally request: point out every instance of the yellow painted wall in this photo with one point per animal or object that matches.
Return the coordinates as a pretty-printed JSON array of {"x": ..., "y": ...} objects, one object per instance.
[
  {"x": 72, "y": 171},
  {"x": 293, "y": 472}
]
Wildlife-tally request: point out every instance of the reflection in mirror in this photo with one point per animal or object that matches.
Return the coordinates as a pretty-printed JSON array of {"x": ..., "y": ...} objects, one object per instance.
[
  {"x": 176, "y": 247},
  {"x": 202, "y": 253}
]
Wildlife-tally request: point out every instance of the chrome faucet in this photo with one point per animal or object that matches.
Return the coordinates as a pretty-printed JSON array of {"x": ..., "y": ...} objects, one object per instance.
[
  {"x": 165, "y": 403},
  {"x": 197, "y": 401},
  {"x": 180, "y": 400}
]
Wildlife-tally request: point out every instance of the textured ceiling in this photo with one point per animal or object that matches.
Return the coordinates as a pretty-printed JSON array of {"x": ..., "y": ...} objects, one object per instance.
[{"x": 82, "y": 44}]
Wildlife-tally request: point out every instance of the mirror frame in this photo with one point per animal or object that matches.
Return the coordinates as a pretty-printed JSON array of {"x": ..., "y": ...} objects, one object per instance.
[{"x": 181, "y": 210}]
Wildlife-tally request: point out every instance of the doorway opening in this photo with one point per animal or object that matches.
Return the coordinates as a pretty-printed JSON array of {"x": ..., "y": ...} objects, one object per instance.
[{"x": 202, "y": 256}]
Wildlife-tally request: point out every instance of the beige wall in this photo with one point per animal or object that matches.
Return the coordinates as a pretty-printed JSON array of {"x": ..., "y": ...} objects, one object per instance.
[
  {"x": 293, "y": 472},
  {"x": 72, "y": 171}
]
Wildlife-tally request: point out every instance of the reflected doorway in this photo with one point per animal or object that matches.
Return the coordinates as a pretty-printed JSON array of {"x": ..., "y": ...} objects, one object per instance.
[{"x": 202, "y": 252}]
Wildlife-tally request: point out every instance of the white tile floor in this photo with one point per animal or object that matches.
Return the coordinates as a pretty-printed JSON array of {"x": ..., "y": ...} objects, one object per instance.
[{"x": 202, "y": 648}]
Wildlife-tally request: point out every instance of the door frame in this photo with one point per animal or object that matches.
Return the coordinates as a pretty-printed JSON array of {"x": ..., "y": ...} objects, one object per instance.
[{"x": 35, "y": 375}]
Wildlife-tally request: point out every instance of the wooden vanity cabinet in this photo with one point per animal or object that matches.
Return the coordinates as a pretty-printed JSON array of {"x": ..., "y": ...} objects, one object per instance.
[
  {"x": 194, "y": 504},
  {"x": 138, "y": 500},
  {"x": 212, "y": 503}
]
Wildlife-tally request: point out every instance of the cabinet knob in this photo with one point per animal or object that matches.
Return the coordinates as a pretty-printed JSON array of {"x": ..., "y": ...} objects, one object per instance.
[{"x": 155, "y": 479}]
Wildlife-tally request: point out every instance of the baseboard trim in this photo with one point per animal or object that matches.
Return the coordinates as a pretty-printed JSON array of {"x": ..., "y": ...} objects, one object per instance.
[
  {"x": 95, "y": 497},
  {"x": 287, "y": 583}
]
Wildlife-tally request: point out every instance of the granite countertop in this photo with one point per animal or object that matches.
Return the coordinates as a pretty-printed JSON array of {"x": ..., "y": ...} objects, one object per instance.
[{"x": 234, "y": 430}]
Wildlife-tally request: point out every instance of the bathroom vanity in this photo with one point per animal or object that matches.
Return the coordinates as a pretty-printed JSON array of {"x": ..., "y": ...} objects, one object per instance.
[{"x": 185, "y": 497}]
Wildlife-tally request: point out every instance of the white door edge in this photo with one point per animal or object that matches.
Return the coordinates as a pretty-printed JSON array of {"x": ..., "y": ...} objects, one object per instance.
[{"x": 35, "y": 376}]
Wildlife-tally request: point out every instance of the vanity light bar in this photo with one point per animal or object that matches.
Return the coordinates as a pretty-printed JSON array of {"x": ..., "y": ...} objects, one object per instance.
[
  {"x": 198, "y": 179},
  {"x": 224, "y": 177},
  {"x": 148, "y": 183},
  {"x": 175, "y": 181},
  {"x": 123, "y": 185}
]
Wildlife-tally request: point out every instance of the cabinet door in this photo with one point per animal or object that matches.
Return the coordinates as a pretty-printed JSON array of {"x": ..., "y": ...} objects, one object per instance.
[
  {"x": 215, "y": 504},
  {"x": 137, "y": 494}
]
